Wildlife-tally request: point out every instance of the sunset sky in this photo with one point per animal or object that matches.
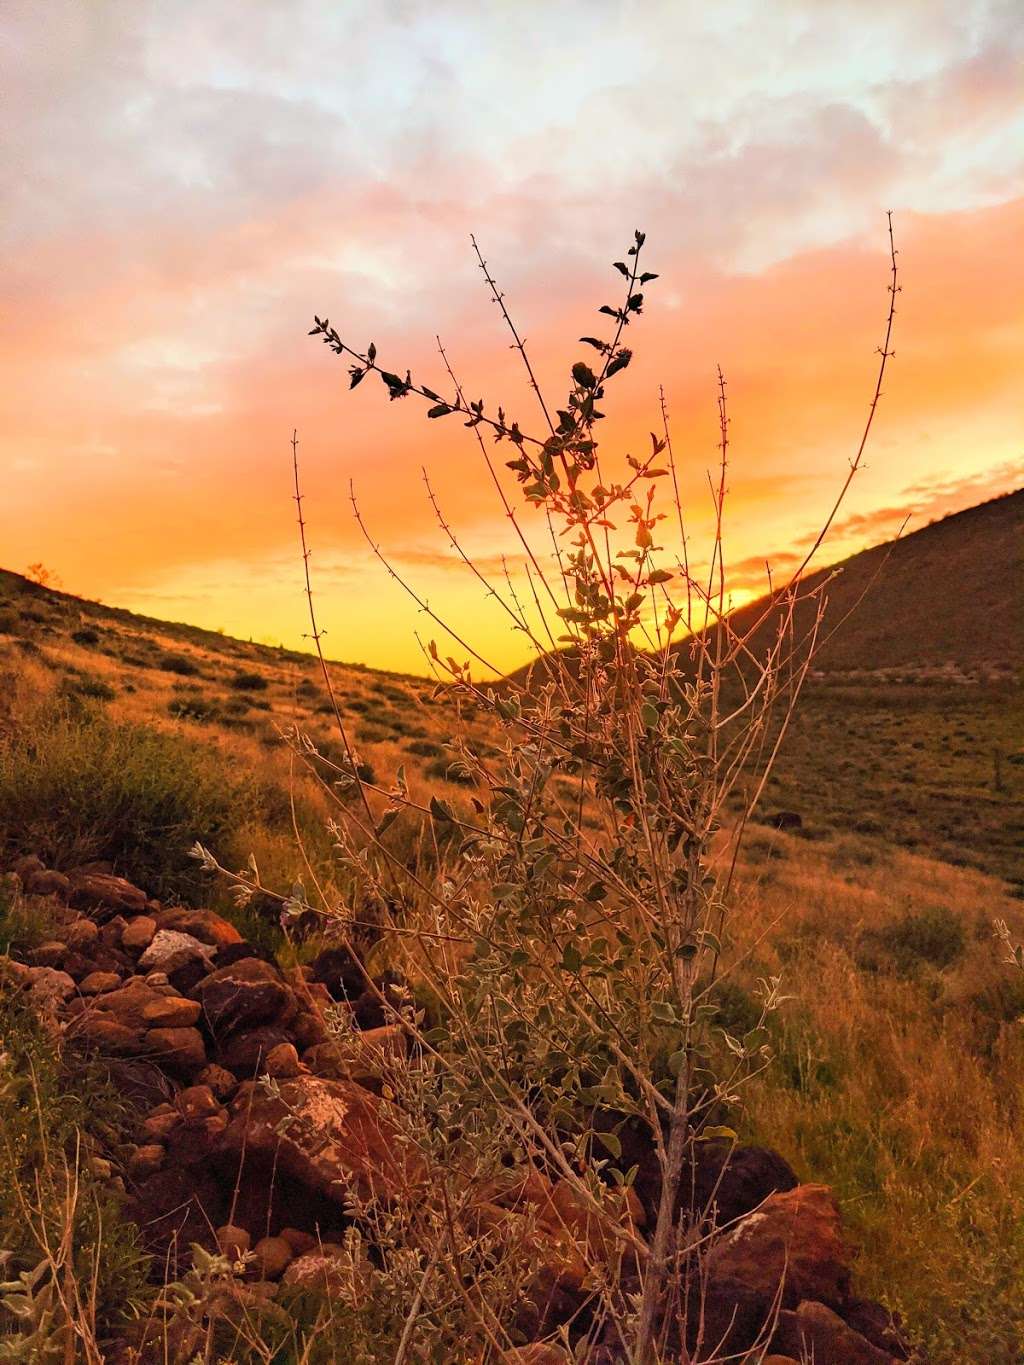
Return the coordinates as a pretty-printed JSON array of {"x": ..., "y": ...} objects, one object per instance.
[{"x": 186, "y": 184}]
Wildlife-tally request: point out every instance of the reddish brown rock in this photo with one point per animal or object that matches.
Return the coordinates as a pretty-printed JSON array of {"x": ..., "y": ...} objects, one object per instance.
[
  {"x": 179, "y": 1049},
  {"x": 45, "y": 883},
  {"x": 313, "y": 1271},
  {"x": 138, "y": 935},
  {"x": 48, "y": 987},
  {"x": 146, "y": 1160},
  {"x": 204, "y": 925},
  {"x": 794, "y": 1240},
  {"x": 299, "y": 1241},
  {"x": 243, "y": 994},
  {"x": 171, "y": 1011},
  {"x": 282, "y": 1062},
  {"x": 99, "y": 983},
  {"x": 127, "y": 1005},
  {"x": 104, "y": 895},
  {"x": 222, "y": 1082},
  {"x": 337, "y": 1135},
  {"x": 81, "y": 934},
  {"x": 245, "y": 1052},
  {"x": 815, "y": 1332},
  {"x": 50, "y": 954},
  {"x": 160, "y": 1122},
  {"x": 197, "y": 1102},
  {"x": 273, "y": 1255},
  {"x": 233, "y": 1242}
]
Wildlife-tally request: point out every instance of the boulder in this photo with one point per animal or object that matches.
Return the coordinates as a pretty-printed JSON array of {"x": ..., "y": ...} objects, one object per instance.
[
  {"x": 245, "y": 1053},
  {"x": 171, "y": 1011},
  {"x": 273, "y": 1255},
  {"x": 222, "y": 1082},
  {"x": 730, "y": 1181},
  {"x": 81, "y": 934},
  {"x": 242, "y": 994},
  {"x": 99, "y": 983},
  {"x": 138, "y": 935},
  {"x": 233, "y": 1242},
  {"x": 329, "y": 1136},
  {"x": 205, "y": 925},
  {"x": 48, "y": 987},
  {"x": 49, "y": 954},
  {"x": 171, "y": 949},
  {"x": 338, "y": 971},
  {"x": 793, "y": 1243},
  {"x": 316, "y": 1272},
  {"x": 104, "y": 895},
  {"x": 815, "y": 1332},
  {"x": 46, "y": 883},
  {"x": 181, "y": 1050},
  {"x": 282, "y": 1062},
  {"x": 146, "y": 1160}
]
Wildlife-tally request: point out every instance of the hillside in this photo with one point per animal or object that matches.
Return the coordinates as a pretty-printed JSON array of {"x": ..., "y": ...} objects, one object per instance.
[{"x": 943, "y": 597}]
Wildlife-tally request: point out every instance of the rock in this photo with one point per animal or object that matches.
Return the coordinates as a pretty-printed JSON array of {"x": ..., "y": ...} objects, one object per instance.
[
  {"x": 171, "y": 1011},
  {"x": 299, "y": 1241},
  {"x": 282, "y": 1062},
  {"x": 44, "y": 883},
  {"x": 233, "y": 1242},
  {"x": 221, "y": 1081},
  {"x": 794, "y": 1240},
  {"x": 98, "y": 983},
  {"x": 171, "y": 949},
  {"x": 273, "y": 1257},
  {"x": 139, "y": 1080},
  {"x": 50, "y": 954},
  {"x": 81, "y": 934},
  {"x": 246, "y": 1051},
  {"x": 365, "y": 1057},
  {"x": 815, "y": 1332},
  {"x": 242, "y": 994},
  {"x": 309, "y": 1031},
  {"x": 338, "y": 1135},
  {"x": 111, "y": 931},
  {"x": 175, "y": 1208},
  {"x": 338, "y": 971},
  {"x": 160, "y": 1122},
  {"x": 179, "y": 1049},
  {"x": 104, "y": 895},
  {"x": 109, "y": 1034},
  {"x": 197, "y": 1102},
  {"x": 737, "y": 1179},
  {"x": 27, "y": 864},
  {"x": 881, "y": 1327},
  {"x": 138, "y": 935},
  {"x": 128, "y": 1004},
  {"x": 49, "y": 987},
  {"x": 146, "y": 1160},
  {"x": 204, "y": 925}
]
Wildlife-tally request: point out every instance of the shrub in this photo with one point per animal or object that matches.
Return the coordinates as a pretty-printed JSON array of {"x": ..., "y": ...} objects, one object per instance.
[
  {"x": 934, "y": 936},
  {"x": 180, "y": 664},
  {"x": 450, "y": 770},
  {"x": 81, "y": 685},
  {"x": 424, "y": 748},
  {"x": 79, "y": 788},
  {"x": 87, "y": 635},
  {"x": 249, "y": 682}
]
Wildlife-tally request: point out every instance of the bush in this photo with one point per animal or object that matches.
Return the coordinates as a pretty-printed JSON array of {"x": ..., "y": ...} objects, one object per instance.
[
  {"x": 74, "y": 789},
  {"x": 88, "y": 635},
  {"x": 81, "y": 685},
  {"x": 450, "y": 770},
  {"x": 249, "y": 682},
  {"x": 934, "y": 936},
  {"x": 178, "y": 663}
]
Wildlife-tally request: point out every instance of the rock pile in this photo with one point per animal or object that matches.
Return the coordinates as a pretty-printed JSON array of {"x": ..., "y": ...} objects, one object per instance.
[{"x": 191, "y": 1018}]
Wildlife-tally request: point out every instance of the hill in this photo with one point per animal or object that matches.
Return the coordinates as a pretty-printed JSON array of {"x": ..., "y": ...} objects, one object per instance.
[{"x": 944, "y": 597}]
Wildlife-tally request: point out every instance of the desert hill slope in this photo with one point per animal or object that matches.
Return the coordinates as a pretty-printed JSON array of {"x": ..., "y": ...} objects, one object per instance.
[{"x": 945, "y": 595}]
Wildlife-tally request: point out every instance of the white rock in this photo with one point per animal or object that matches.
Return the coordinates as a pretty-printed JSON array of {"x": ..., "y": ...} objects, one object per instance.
[{"x": 171, "y": 949}]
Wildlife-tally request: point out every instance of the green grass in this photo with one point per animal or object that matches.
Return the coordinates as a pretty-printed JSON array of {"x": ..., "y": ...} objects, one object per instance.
[{"x": 76, "y": 787}]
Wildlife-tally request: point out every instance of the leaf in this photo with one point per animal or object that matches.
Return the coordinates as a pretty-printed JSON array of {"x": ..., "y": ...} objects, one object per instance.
[
  {"x": 718, "y": 1130},
  {"x": 583, "y": 375},
  {"x": 591, "y": 341},
  {"x": 440, "y": 810},
  {"x": 442, "y": 410},
  {"x": 647, "y": 276},
  {"x": 621, "y": 360},
  {"x": 572, "y": 959},
  {"x": 610, "y": 1142},
  {"x": 650, "y": 716},
  {"x": 659, "y": 576},
  {"x": 595, "y": 892},
  {"x": 621, "y": 267},
  {"x": 663, "y": 1011}
]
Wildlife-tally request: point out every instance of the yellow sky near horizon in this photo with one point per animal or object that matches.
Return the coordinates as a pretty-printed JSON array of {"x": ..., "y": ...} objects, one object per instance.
[{"x": 185, "y": 195}]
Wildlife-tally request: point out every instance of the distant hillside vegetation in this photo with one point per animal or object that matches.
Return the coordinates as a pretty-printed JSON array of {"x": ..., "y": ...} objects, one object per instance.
[{"x": 949, "y": 594}]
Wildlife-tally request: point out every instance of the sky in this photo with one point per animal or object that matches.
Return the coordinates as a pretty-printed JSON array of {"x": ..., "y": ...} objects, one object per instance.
[{"x": 185, "y": 185}]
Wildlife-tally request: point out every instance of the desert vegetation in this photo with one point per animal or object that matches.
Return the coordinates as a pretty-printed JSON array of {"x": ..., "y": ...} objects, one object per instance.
[{"x": 509, "y": 1003}]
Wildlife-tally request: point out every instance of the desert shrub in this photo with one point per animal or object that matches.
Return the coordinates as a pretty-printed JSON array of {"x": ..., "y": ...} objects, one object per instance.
[
  {"x": 933, "y": 936},
  {"x": 79, "y": 787},
  {"x": 194, "y": 706},
  {"x": 87, "y": 635},
  {"x": 450, "y": 770},
  {"x": 249, "y": 682},
  {"x": 178, "y": 663},
  {"x": 82, "y": 685},
  {"x": 424, "y": 748}
]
